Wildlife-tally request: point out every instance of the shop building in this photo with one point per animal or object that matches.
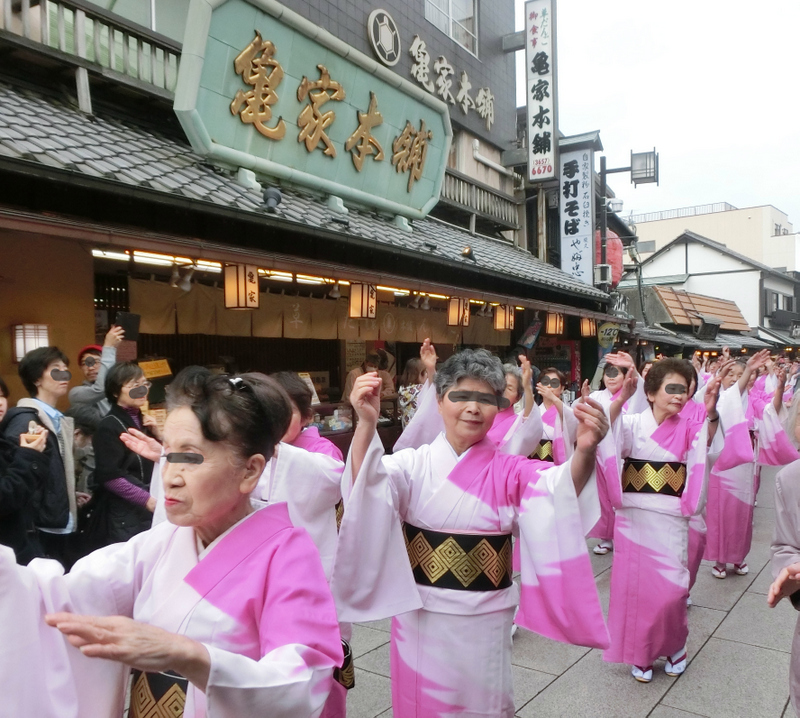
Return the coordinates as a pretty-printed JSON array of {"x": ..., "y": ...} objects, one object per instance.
[{"x": 112, "y": 204}]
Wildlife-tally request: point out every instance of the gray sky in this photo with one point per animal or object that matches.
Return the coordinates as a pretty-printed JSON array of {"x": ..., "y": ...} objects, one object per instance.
[{"x": 711, "y": 84}]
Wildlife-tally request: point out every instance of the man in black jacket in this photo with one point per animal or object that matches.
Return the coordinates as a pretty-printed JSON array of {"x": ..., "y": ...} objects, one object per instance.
[{"x": 45, "y": 375}]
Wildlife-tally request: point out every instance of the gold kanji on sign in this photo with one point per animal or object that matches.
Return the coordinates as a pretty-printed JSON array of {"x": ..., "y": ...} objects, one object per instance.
[
  {"x": 410, "y": 149},
  {"x": 312, "y": 121},
  {"x": 362, "y": 140},
  {"x": 257, "y": 66}
]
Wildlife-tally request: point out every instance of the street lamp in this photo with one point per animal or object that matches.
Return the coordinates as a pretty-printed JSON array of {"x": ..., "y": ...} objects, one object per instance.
[{"x": 644, "y": 170}]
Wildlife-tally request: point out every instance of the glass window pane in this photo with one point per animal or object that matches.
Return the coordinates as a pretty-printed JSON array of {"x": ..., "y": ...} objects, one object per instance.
[
  {"x": 436, "y": 15},
  {"x": 463, "y": 37},
  {"x": 464, "y": 13}
]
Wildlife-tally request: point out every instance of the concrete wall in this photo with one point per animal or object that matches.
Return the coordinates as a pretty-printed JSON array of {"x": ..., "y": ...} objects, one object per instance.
[
  {"x": 749, "y": 231},
  {"x": 347, "y": 20},
  {"x": 742, "y": 288},
  {"x": 45, "y": 281}
]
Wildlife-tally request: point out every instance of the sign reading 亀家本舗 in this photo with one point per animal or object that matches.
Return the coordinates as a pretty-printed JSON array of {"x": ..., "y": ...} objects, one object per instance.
[
  {"x": 540, "y": 88},
  {"x": 262, "y": 88}
]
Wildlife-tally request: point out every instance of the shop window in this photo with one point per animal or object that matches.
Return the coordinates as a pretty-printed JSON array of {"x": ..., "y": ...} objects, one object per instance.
[{"x": 456, "y": 18}]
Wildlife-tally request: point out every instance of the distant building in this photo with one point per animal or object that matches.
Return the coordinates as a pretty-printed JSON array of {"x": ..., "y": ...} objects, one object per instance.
[
  {"x": 767, "y": 297},
  {"x": 764, "y": 233}
]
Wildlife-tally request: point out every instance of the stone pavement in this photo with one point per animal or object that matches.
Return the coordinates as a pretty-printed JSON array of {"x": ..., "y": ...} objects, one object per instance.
[{"x": 738, "y": 650}]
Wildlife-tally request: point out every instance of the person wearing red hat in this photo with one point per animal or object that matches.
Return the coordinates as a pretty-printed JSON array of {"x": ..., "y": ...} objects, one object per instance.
[{"x": 95, "y": 361}]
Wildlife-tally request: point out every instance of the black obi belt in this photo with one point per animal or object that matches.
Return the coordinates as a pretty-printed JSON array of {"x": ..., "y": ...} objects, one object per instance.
[
  {"x": 157, "y": 695},
  {"x": 654, "y": 477},
  {"x": 464, "y": 562},
  {"x": 543, "y": 452}
]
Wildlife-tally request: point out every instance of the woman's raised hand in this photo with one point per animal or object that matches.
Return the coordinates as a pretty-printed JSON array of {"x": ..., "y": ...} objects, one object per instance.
[
  {"x": 758, "y": 359},
  {"x": 366, "y": 397},
  {"x": 427, "y": 352},
  {"x": 711, "y": 396},
  {"x": 142, "y": 444},
  {"x": 527, "y": 372}
]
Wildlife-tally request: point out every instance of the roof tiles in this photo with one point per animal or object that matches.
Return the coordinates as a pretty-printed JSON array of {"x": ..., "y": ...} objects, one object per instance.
[{"x": 50, "y": 132}]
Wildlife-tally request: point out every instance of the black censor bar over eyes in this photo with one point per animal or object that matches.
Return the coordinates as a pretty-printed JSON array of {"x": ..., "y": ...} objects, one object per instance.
[
  {"x": 612, "y": 371},
  {"x": 547, "y": 381},
  {"x": 481, "y": 397},
  {"x": 184, "y": 457},
  {"x": 59, "y": 375},
  {"x": 675, "y": 389},
  {"x": 89, "y": 362},
  {"x": 138, "y": 392}
]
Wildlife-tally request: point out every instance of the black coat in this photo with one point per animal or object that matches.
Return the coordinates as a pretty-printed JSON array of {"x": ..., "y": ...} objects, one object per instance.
[
  {"x": 114, "y": 460},
  {"x": 23, "y": 474},
  {"x": 52, "y": 510}
]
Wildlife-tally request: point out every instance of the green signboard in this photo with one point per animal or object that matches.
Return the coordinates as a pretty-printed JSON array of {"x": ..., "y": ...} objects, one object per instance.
[{"x": 262, "y": 88}]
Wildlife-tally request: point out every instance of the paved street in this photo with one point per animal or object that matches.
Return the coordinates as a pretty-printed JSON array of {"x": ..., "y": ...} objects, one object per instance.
[{"x": 738, "y": 650}]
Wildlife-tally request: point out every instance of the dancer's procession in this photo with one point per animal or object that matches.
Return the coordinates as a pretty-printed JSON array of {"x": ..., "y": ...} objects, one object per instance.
[{"x": 214, "y": 565}]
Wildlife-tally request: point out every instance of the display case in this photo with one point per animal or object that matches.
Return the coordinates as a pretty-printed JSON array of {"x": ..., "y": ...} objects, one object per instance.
[{"x": 336, "y": 422}]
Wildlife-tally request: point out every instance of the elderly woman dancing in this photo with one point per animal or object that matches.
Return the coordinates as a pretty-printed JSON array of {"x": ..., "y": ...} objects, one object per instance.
[
  {"x": 224, "y": 611},
  {"x": 427, "y": 534}
]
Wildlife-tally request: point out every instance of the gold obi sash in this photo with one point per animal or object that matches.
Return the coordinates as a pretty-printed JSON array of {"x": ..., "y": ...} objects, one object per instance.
[
  {"x": 654, "y": 477},
  {"x": 543, "y": 452},
  {"x": 157, "y": 695},
  {"x": 464, "y": 562}
]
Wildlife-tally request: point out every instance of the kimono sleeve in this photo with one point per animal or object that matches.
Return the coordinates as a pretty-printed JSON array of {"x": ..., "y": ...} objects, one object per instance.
[
  {"x": 774, "y": 446},
  {"x": 524, "y": 435},
  {"x": 372, "y": 576},
  {"x": 638, "y": 402},
  {"x": 737, "y": 449},
  {"x": 565, "y": 432},
  {"x": 559, "y": 598},
  {"x": 299, "y": 639},
  {"x": 34, "y": 656},
  {"x": 786, "y": 539}
]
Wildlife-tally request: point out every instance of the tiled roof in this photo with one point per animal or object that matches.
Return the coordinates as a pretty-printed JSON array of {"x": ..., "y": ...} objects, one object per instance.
[
  {"x": 689, "y": 309},
  {"x": 37, "y": 128}
]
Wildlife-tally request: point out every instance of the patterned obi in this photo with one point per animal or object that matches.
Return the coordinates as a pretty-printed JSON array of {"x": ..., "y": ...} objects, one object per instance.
[
  {"x": 157, "y": 695},
  {"x": 464, "y": 562},
  {"x": 654, "y": 477},
  {"x": 543, "y": 452},
  {"x": 346, "y": 675}
]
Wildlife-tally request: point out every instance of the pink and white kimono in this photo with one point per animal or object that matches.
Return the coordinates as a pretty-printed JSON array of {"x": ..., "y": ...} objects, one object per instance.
[
  {"x": 604, "y": 529},
  {"x": 696, "y": 411},
  {"x": 731, "y": 488},
  {"x": 561, "y": 430},
  {"x": 311, "y": 485},
  {"x": 310, "y": 440},
  {"x": 256, "y": 597},
  {"x": 511, "y": 433},
  {"x": 647, "y": 616},
  {"x": 451, "y": 649}
]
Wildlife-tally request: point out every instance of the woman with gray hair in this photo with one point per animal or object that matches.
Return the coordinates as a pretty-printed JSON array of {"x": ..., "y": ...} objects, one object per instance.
[
  {"x": 513, "y": 433},
  {"x": 426, "y": 538}
]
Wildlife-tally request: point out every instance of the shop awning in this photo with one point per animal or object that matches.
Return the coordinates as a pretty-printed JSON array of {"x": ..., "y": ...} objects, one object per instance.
[
  {"x": 736, "y": 342},
  {"x": 777, "y": 337}
]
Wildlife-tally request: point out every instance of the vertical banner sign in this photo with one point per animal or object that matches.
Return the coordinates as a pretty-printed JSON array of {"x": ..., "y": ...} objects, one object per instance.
[
  {"x": 576, "y": 200},
  {"x": 540, "y": 86}
]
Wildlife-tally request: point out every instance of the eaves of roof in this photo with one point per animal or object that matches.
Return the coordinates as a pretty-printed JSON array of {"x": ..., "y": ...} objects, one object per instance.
[{"x": 38, "y": 131}]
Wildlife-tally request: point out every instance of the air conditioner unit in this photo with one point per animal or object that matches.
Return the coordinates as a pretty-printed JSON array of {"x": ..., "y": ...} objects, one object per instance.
[{"x": 602, "y": 274}]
